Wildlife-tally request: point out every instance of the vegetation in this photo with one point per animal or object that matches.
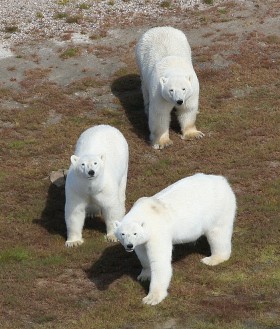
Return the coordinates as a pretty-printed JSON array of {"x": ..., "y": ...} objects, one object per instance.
[{"x": 45, "y": 285}]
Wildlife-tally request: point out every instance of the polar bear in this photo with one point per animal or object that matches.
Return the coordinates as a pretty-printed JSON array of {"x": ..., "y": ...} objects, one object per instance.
[
  {"x": 168, "y": 80},
  {"x": 194, "y": 206},
  {"x": 96, "y": 181}
]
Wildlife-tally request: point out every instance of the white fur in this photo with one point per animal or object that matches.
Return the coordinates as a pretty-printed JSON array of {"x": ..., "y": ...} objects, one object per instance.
[
  {"x": 164, "y": 59},
  {"x": 96, "y": 181},
  {"x": 192, "y": 207}
]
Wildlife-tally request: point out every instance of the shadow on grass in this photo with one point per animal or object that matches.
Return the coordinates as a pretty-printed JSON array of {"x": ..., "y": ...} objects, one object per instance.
[
  {"x": 115, "y": 262},
  {"x": 52, "y": 217},
  {"x": 128, "y": 90}
]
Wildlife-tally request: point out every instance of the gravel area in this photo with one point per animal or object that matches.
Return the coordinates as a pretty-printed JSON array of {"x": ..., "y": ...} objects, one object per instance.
[{"x": 23, "y": 20}]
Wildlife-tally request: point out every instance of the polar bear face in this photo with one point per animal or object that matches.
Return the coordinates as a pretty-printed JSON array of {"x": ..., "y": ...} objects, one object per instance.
[
  {"x": 88, "y": 166},
  {"x": 130, "y": 234},
  {"x": 176, "y": 89}
]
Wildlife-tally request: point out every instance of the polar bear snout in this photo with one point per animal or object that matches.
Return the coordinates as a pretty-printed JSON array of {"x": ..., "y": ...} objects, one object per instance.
[
  {"x": 91, "y": 173},
  {"x": 179, "y": 102},
  {"x": 129, "y": 247}
]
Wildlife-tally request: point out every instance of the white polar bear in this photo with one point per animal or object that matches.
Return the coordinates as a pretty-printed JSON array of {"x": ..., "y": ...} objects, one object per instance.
[
  {"x": 96, "y": 181},
  {"x": 168, "y": 80},
  {"x": 192, "y": 207}
]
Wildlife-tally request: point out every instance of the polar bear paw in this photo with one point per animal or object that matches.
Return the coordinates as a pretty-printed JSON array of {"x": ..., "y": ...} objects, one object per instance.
[
  {"x": 110, "y": 237},
  {"x": 213, "y": 260},
  {"x": 154, "y": 298},
  {"x": 162, "y": 145},
  {"x": 144, "y": 275},
  {"x": 71, "y": 243},
  {"x": 192, "y": 134}
]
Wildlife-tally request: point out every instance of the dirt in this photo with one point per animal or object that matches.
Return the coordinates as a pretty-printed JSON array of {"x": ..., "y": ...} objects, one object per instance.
[
  {"x": 239, "y": 20},
  {"x": 99, "y": 80}
]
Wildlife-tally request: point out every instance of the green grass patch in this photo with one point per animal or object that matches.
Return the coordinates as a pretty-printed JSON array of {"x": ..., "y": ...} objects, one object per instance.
[
  {"x": 11, "y": 29},
  {"x": 165, "y": 4},
  {"x": 84, "y": 5},
  {"x": 14, "y": 255},
  {"x": 46, "y": 285},
  {"x": 70, "y": 52},
  {"x": 60, "y": 15}
]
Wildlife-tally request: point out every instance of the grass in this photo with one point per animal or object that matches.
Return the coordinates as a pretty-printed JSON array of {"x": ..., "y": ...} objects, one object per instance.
[
  {"x": 11, "y": 28},
  {"x": 70, "y": 52},
  {"x": 44, "y": 285}
]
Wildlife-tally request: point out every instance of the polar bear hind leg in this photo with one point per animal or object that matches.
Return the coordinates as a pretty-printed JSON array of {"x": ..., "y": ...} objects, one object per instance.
[
  {"x": 111, "y": 214},
  {"x": 145, "y": 94},
  {"x": 220, "y": 245}
]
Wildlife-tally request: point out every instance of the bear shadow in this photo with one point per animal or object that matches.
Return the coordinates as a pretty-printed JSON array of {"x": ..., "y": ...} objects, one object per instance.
[
  {"x": 128, "y": 90},
  {"x": 115, "y": 263},
  {"x": 52, "y": 217}
]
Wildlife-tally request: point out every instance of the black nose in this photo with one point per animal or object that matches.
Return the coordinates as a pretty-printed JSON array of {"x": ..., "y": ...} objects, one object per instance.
[
  {"x": 91, "y": 172},
  {"x": 130, "y": 246},
  {"x": 179, "y": 102}
]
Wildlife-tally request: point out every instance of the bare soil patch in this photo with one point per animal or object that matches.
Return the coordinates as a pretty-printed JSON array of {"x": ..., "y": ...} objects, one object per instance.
[{"x": 53, "y": 87}]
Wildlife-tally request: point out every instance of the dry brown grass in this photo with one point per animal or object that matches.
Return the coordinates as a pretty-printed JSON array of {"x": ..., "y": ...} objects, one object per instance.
[{"x": 45, "y": 285}]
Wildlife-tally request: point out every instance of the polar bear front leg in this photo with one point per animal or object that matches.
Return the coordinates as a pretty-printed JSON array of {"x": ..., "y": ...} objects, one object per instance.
[
  {"x": 143, "y": 258},
  {"x": 159, "y": 256},
  {"x": 75, "y": 213},
  {"x": 159, "y": 121},
  {"x": 186, "y": 117}
]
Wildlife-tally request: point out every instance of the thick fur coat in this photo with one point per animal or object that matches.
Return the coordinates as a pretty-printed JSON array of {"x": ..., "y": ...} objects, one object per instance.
[
  {"x": 168, "y": 80},
  {"x": 192, "y": 207},
  {"x": 96, "y": 181}
]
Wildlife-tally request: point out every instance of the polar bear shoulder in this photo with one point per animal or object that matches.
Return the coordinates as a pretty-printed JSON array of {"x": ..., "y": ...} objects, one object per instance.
[
  {"x": 160, "y": 42},
  {"x": 192, "y": 207},
  {"x": 96, "y": 180}
]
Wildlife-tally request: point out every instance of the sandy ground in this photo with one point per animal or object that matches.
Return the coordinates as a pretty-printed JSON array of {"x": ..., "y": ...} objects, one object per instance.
[{"x": 29, "y": 49}]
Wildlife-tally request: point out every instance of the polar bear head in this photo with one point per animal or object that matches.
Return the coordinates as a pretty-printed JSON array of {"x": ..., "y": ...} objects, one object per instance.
[
  {"x": 88, "y": 166},
  {"x": 176, "y": 89},
  {"x": 130, "y": 234}
]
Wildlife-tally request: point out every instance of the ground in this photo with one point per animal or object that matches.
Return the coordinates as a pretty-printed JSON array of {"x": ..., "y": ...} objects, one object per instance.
[{"x": 54, "y": 87}]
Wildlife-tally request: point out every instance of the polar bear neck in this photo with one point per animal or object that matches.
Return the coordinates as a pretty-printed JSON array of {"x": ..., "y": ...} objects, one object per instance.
[
  {"x": 95, "y": 185},
  {"x": 173, "y": 62}
]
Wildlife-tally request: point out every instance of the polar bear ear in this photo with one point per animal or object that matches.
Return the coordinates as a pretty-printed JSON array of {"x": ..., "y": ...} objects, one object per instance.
[
  {"x": 102, "y": 157},
  {"x": 74, "y": 159},
  {"x": 163, "y": 80},
  {"x": 116, "y": 224}
]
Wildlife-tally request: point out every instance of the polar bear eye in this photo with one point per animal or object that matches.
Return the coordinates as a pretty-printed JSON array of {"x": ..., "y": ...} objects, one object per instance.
[
  {"x": 171, "y": 90},
  {"x": 95, "y": 163},
  {"x": 83, "y": 164},
  {"x": 184, "y": 89},
  {"x": 122, "y": 234},
  {"x": 135, "y": 233}
]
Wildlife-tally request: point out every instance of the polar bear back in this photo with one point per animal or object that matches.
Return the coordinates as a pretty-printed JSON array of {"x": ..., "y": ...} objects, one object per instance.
[
  {"x": 105, "y": 140},
  {"x": 102, "y": 139},
  {"x": 197, "y": 203},
  {"x": 160, "y": 42}
]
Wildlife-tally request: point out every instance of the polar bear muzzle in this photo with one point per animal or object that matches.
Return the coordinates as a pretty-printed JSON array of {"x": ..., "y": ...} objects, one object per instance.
[
  {"x": 91, "y": 173},
  {"x": 129, "y": 247}
]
